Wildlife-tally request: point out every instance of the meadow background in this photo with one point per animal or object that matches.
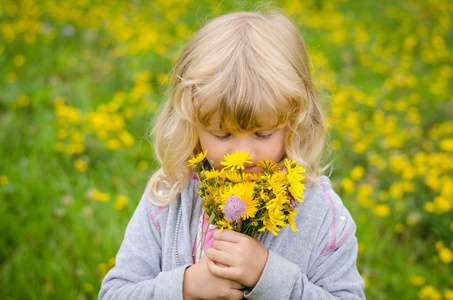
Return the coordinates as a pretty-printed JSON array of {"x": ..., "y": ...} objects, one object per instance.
[{"x": 81, "y": 79}]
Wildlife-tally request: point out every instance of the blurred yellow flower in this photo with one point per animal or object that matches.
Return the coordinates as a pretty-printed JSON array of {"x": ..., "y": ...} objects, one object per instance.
[
  {"x": 446, "y": 145},
  {"x": 429, "y": 292},
  {"x": 364, "y": 194},
  {"x": 160, "y": 49},
  {"x": 348, "y": 185},
  {"x": 399, "y": 228},
  {"x": 381, "y": 210},
  {"x": 22, "y": 101},
  {"x": 162, "y": 79},
  {"x": 19, "y": 60},
  {"x": 446, "y": 255},
  {"x": 442, "y": 204},
  {"x": 417, "y": 280},
  {"x": 97, "y": 195},
  {"x": 357, "y": 173},
  {"x": 112, "y": 144},
  {"x": 4, "y": 180},
  {"x": 120, "y": 202},
  {"x": 88, "y": 287},
  {"x": 80, "y": 165},
  {"x": 59, "y": 147},
  {"x": 103, "y": 268},
  {"x": 142, "y": 165},
  {"x": 448, "y": 294},
  {"x": 127, "y": 139}
]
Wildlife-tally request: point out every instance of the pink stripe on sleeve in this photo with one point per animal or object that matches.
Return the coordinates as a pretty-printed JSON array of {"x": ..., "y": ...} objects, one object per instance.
[
  {"x": 333, "y": 233},
  {"x": 154, "y": 215}
]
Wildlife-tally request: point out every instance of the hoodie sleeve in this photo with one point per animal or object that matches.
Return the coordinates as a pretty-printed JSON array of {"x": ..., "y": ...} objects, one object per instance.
[
  {"x": 138, "y": 273},
  {"x": 331, "y": 272}
]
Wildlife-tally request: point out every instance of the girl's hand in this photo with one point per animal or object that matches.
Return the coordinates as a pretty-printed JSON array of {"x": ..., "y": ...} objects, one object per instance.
[
  {"x": 200, "y": 283},
  {"x": 245, "y": 256}
]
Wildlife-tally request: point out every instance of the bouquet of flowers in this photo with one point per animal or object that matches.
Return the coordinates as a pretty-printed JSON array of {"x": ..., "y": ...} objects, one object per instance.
[{"x": 250, "y": 203}]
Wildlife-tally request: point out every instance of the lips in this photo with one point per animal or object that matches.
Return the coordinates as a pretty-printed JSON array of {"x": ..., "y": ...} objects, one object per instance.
[{"x": 249, "y": 168}]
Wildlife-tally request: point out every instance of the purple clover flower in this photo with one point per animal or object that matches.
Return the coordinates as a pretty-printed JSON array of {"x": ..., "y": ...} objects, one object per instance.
[
  {"x": 294, "y": 204},
  {"x": 233, "y": 208}
]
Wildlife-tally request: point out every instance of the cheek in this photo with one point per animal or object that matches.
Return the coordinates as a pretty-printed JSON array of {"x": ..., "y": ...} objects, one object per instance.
[
  {"x": 215, "y": 151},
  {"x": 216, "y": 155},
  {"x": 276, "y": 149},
  {"x": 277, "y": 154}
]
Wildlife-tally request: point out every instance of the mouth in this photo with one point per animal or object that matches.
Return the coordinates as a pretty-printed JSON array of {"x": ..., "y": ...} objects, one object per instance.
[{"x": 250, "y": 169}]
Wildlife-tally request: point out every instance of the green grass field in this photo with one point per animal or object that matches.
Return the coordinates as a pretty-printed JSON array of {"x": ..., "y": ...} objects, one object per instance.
[{"x": 81, "y": 79}]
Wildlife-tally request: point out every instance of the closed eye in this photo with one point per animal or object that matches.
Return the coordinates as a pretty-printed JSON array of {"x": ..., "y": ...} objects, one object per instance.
[
  {"x": 221, "y": 136},
  {"x": 264, "y": 135}
]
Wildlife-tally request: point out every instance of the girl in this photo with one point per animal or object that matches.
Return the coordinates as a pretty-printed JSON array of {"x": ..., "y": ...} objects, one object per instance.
[{"x": 242, "y": 83}]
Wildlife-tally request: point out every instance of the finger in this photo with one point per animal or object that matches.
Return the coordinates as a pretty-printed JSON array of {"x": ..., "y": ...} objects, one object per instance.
[
  {"x": 228, "y": 235},
  {"x": 221, "y": 265},
  {"x": 224, "y": 246},
  {"x": 236, "y": 294},
  {"x": 221, "y": 257},
  {"x": 225, "y": 273},
  {"x": 236, "y": 285}
]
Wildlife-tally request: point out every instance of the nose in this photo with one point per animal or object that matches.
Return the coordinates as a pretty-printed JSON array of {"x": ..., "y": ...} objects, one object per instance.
[{"x": 245, "y": 143}]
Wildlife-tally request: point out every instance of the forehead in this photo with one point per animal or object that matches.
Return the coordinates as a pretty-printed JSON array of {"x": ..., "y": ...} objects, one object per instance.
[{"x": 229, "y": 123}]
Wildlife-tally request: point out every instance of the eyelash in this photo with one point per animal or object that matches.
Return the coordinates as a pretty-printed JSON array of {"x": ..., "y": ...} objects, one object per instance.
[
  {"x": 260, "y": 136},
  {"x": 222, "y": 137},
  {"x": 263, "y": 136}
]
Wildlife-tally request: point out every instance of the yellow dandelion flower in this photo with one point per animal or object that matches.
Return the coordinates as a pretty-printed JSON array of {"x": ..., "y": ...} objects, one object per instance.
[
  {"x": 269, "y": 225},
  {"x": 264, "y": 196},
  {"x": 275, "y": 210},
  {"x": 233, "y": 190},
  {"x": 268, "y": 166},
  {"x": 297, "y": 188},
  {"x": 237, "y": 160},
  {"x": 291, "y": 217},
  {"x": 252, "y": 204},
  {"x": 295, "y": 178},
  {"x": 277, "y": 182},
  {"x": 251, "y": 177},
  {"x": 293, "y": 165},
  {"x": 223, "y": 224},
  {"x": 238, "y": 202},
  {"x": 231, "y": 175},
  {"x": 197, "y": 159},
  {"x": 211, "y": 174}
]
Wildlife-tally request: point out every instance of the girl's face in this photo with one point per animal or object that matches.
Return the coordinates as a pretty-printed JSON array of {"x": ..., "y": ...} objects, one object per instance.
[{"x": 264, "y": 143}]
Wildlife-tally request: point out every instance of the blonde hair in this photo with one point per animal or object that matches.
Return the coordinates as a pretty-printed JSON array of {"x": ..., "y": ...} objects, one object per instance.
[{"x": 243, "y": 67}]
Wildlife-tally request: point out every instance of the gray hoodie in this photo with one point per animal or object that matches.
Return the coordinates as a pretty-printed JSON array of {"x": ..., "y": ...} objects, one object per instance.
[{"x": 318, "y": 262}]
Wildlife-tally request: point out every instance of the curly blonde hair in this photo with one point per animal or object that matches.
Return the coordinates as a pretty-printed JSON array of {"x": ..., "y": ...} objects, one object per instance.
[{"x": 243, "y": 67}]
